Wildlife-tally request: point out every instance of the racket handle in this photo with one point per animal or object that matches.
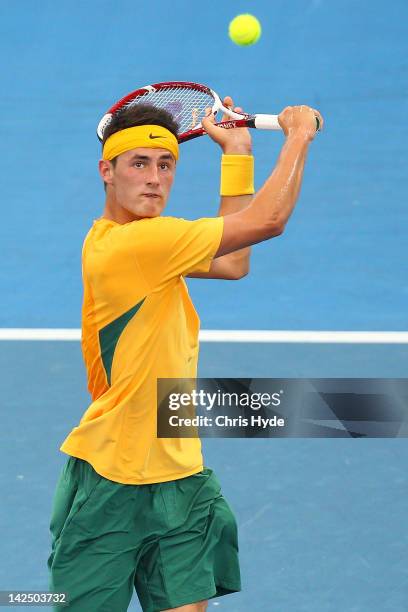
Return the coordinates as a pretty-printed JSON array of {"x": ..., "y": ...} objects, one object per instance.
[
  {"x": 270, "y": 122},
  {"x": 267, "y": 122}
]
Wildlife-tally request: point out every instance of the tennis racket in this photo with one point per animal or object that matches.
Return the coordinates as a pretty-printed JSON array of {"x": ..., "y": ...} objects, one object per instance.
[{"x": 187, "y": 103}]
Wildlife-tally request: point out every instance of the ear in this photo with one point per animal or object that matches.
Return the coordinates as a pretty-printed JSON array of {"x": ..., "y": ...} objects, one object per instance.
[{"x": 106, "y": 171}]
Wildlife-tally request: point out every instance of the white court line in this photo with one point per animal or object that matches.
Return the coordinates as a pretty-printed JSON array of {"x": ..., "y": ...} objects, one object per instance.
[{"x": 227, "y": 335}]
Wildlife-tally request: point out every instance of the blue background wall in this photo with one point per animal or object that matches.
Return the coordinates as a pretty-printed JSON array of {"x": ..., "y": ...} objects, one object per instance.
[{"x": 340, "y": 264}]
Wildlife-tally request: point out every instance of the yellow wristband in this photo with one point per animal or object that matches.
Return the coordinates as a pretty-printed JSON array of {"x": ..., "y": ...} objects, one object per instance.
[{"x": 237, "y": 175}]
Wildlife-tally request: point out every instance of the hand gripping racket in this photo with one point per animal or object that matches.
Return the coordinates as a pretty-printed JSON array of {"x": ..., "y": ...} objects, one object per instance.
[{"x": 187, "y": 103}]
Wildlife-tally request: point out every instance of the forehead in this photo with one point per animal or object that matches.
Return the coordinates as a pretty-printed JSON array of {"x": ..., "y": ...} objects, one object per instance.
[{"x": 147, "y": 153}]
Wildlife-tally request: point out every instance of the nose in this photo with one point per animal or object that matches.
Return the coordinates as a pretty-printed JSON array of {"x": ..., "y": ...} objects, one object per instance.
[{"x": 152, "y": 177}]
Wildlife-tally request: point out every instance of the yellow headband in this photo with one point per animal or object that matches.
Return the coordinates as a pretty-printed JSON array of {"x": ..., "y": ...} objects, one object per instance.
[{"x": 152, "y": 136}]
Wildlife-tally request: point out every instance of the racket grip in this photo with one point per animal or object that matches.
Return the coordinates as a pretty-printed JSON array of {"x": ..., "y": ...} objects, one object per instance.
[
  {"x": 267, "y": 122},
  {"x": 270, "y": 122}
]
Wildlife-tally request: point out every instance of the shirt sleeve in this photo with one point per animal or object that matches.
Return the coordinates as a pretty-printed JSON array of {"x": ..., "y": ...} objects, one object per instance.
[{"x": 166, "y": 247}]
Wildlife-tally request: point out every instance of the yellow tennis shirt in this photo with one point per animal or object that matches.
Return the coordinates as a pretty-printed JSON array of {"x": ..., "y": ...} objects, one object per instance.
[{"x": 139, "y": 324}]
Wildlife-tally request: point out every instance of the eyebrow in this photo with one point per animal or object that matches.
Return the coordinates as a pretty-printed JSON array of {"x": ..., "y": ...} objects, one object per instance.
[{"x": 147, "y": 158}]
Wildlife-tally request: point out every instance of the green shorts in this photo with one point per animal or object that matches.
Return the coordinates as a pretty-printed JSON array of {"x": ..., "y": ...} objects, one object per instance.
[{"x": 174, "y": 542}]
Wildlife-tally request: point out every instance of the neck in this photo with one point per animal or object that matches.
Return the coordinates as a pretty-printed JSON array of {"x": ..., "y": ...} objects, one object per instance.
[{"x": 114, "y": 212}]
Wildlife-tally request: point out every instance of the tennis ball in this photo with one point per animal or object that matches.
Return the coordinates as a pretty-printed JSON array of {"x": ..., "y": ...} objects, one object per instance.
[{"x": 244, "y": 30}]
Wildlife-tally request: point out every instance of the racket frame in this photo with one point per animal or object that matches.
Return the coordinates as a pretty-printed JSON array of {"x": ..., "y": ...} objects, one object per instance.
[{"x": 237, "y": 120}]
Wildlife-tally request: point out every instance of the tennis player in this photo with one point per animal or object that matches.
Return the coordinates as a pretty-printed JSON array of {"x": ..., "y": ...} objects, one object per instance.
[{"x": 132, "y": 510}]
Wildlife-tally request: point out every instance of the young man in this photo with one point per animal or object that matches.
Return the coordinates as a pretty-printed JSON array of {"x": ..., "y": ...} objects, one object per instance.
[{"x": 131, "y": 509}]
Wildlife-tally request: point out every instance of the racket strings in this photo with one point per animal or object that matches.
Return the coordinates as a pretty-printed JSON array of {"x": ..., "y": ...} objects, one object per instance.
[{"x": 186, "y": 105}]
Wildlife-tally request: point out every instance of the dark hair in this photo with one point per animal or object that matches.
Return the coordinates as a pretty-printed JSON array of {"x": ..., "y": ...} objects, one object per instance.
[{"x": 139, "y": 114}]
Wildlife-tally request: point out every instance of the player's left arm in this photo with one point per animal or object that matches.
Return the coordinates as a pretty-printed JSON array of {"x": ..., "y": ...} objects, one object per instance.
[{"x": 235, "y": 265}]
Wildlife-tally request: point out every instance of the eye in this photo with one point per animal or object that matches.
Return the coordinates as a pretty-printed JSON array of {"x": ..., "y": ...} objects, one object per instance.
[
  {"x": 138, "y": 164},
  {"x": 168, "y": 165}
]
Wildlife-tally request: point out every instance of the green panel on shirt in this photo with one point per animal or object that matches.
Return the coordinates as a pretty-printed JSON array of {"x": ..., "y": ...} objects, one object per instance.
[{"x": 109, "y": 336}]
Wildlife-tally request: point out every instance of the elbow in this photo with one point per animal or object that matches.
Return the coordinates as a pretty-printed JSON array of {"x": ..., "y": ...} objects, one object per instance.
[
  {"x": 275, "y": 228},
  {"x": 238, "y": 276},
  {"x": 239, "y": 273},
  {"x": 279, "y": 229}
]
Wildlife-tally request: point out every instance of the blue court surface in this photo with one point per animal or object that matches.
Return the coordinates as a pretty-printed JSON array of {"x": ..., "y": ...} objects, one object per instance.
[{"x": 322, "y": 522}]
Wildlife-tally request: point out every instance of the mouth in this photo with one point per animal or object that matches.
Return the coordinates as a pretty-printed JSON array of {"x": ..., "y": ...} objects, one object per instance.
[{"x": 150, "y": 195}]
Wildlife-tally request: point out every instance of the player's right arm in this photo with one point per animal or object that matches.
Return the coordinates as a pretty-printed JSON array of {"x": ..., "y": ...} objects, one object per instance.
[{"x": 271, "y": 207}]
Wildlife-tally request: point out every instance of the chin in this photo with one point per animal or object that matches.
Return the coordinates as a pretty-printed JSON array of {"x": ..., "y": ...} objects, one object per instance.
[
  {"x": 147, "y": 211},
  {"x": 155, "y": 208},
  {"x": 151, "y": 215}
]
